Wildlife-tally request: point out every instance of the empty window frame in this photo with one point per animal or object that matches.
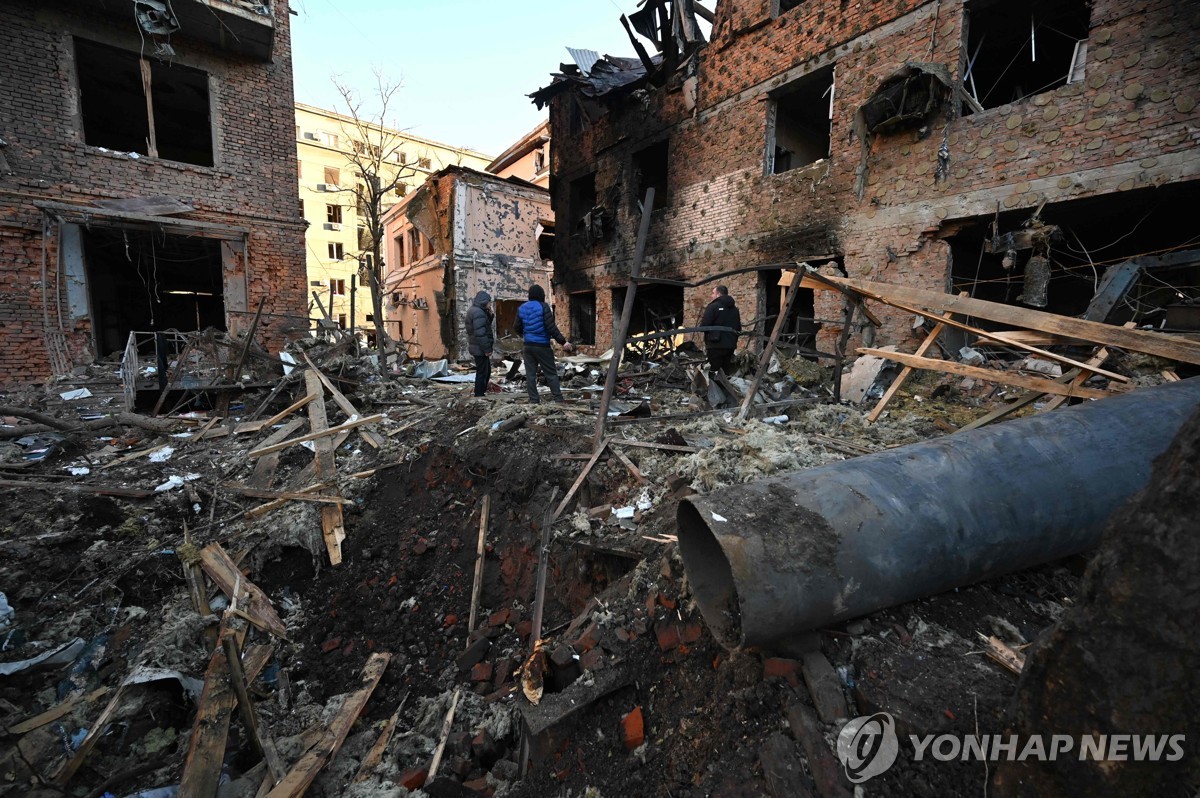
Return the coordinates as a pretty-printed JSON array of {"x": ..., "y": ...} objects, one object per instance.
[
  {"x": 133, "y": 104},
  {"x": 333, "y": 214},
  {"x": 581, "y": 198},
  {"x": 335, "y": 250},
  {"x": 337, "y": 287},
  {"x": 342, "y": 321},
  {"x": 798, "y": 122},
  {"x": 328, "y": 139},
  {"x": 1018, "y": 48},
  {"x": 424, "y": 163},
  {"x": 583, "y": 318},
  {"x": 401, "y": 255},
  {"x": 650, "y": 171},
  {"x": 783, "y": 6}
]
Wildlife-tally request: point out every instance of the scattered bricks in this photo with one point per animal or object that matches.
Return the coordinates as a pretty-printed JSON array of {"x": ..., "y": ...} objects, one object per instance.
[
  {"x": 651, "y": 605},
  {"x": 413, "y": 779},
  {"x": 562, "y": 655},
  {"x": 780, "y": 668},
  {"x": 669, "y": 603},
  {"x": 481, "y": 672},
  {"x": 826, "y": 771},
  {"x": 633, "y": 729},
  {"x": 502, "y": 617},
  {"x": 524, "y": 629},
  {"x": 449, "y": 621},
  {"x": 824, "y": 686},
  {"x": 332, "y": 644},
  {"x": 667, "y": 635},
  {"x": 485, "y": 749},
  {"x": 603, "y": 511},
  {"x": 589, "y": 639},
  {"x": 473, "y": 654},
  {"x": 690, "y": 632},
  {"x": 501, "y": 672},
  {"x": 479, "y": 785},
  {"x": 592, "y": 660},
  {"x": 460, "y": 767}
]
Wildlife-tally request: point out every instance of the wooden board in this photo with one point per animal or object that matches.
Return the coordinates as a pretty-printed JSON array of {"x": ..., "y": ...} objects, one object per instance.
[
  {"x": 316, "y": 435},
  {"x": 298, "y": 779},
  {"x": 255, "y": 426},
  {"x": 225, "y": 574},
  {"x": 989, "y": 375},
  {"x": 344, "y": 404},
  {"x": 206, "y": 749},
  {"x": 264, "y": 469},
  {"x": 1151, "y": 343},
  {"x": 894, "y": 388},
  {"x": 54, "y": 713},
  {"x": 332, "y": 525}
]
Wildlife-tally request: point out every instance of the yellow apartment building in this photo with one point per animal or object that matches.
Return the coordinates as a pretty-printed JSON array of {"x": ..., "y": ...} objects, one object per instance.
[{"x": 336, "y": 242}]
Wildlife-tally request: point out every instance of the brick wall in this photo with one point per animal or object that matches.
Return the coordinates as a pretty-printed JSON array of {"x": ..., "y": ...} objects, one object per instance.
[
  {"x": 253, "y": 184},
  {"x": 1132, "y": 123}
]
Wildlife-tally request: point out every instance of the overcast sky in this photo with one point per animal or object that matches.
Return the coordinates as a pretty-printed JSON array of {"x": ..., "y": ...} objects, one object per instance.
[{"x": 466, "y": 65}]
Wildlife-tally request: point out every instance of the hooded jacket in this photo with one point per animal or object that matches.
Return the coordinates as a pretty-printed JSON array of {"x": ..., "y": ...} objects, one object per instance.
[
  {"x": 721, "y": 312},
  {"x": 535, "y": 320},
  {"x": 480, "y": 339}
]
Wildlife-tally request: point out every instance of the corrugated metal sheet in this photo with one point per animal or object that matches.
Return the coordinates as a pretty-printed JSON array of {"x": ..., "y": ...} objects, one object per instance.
[{"x": 584, "y": 59}]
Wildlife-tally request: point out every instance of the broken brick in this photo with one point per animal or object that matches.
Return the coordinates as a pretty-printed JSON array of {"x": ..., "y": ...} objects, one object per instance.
[
  {"x": 332, "y": 644},
  {"x": 633, "y": 729},
  {"x": 562, "y": 656},
  {"x": 481, "y": 672},
  {"x": 589, "y": 639},
  {"x": 449, "y": 621},
  {"x": 669, "y": 603},
  {"x": 500, "y": 618},
  {"x": 524, "y": 629},
  {"x": 667, "y": 635},
  {"x": 780, "y": 668},
  {"x": 690, "y": 632},
  {"x": 592, "y": 660},
  {"x": 414, "y": 778},
  {"x": 474, "y": 653}
]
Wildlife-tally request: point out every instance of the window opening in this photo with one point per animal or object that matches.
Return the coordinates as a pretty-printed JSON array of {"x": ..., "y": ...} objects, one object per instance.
[
  {"x": 650, "y": 168},
  {"x": 583, "y": 318},
  {"x": 798, "y": 124}
]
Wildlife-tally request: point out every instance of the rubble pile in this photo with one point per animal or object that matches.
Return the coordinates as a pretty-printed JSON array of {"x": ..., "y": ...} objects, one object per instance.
[{"x": 279, "y": 592}]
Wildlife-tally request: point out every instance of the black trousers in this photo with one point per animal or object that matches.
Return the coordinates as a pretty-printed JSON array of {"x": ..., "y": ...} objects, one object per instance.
[
  {"x": 541, "y": 358},
  {"x": 483, "y": 373},
  {"x": 719, "y": 359}
]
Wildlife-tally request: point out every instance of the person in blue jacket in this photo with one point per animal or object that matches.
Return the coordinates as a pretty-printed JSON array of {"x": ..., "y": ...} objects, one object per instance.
[{"x": 535, "y": 324}]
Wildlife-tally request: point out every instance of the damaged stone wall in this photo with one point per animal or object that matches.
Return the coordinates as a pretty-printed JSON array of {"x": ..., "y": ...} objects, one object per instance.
[
  {"x": 251, "y": 185},
  {"x": 1127, "y": 125}
]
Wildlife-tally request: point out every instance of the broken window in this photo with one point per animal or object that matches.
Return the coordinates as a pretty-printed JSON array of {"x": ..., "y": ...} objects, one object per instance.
[
  {"x": 539, "y": 162},
  {"x": 581, "y": 198},
  {"x": 783, "y": 6},
  {"x": 132, "y": 104},
  {"x": 655, "y": 308},
  {"x": 650, "y": 169},
  {"x": 335, "y": 250},
  {"x": 506, "y": 317},
  {"x": 583, "y": 318},
  {"x": 332, "y": 176},
  {"x": 333, "y": 214},
  {"x": 424, "y": 163},
  {"x": 1019, "y": 48},
  {"x": 141, "y": 281},
  {"x": 798, "y": 122},
  {"x": 546, "y": 239}
]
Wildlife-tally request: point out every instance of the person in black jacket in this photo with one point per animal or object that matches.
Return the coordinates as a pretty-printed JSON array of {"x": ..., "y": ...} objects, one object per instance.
[
  {"x": 481, "y": 340},
  {"x": 535, "y": 324},
  {"x": 719, "y": 344}
]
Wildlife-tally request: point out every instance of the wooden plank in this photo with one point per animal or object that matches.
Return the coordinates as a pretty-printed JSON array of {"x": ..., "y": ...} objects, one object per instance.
[
  {"x": 1076, "y": 379},
  {"x": 764, "y": 359},
  {"x": 122, "y": 460},
  {"x": 100, "y": 490},
  {"x": 316, "y": 435},
  {"x": 301, "y": 776},
  {"x": 1151, "y": 343},
  {"x": 894, "y": 388},
  {"x": 258, "y": 493},
  {"x": 225, "y": 574},
  {"x": 666, "y": 447},
  {"x": 989, "y": 375},
  {"x": 95, "y": 732},
  {"x": 447, "y": 725},
  {"x": 1035, "y": 338},
  {"x": 332, "y": 525},
  {"x": 949, "y": 321},
  {"x": 206, "y": 748},
  {"x": 58, "y": 711},
  {"x": 579, "y": 480},
  {"x": 633, "y": 470},
  {"x": 255, "y": 426},
  {"x": 375, "y": 755},
  {"x": 344, "y": 404},
  {"x": 477, "y": 585}
]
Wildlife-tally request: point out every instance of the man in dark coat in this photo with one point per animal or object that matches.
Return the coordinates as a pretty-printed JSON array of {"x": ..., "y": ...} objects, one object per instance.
[
  {"x": 481, "y": 340},
  {"x": 535, "y": 324},
  {"x": 719, "y": 344}
]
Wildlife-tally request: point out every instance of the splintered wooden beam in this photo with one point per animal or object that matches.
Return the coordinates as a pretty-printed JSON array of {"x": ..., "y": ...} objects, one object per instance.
[
  {"x": 633, "y": 470},
  {"x": 375, "y": 755},
  {"x": 206, "y": 749},
  {"x": 1151, "y": 343},
  {"x": 989, "y": 375},
  {"x": 298, "y": 779},
  {"x": 894, "y": 388},
  {"x": 316, "y": 435},
  {"x": 447, "y": 725},
  {"x": 56, "y": 712},
  {"x": 332, "y": 525},
  {"x": 264, "y": 469},
  {"x": 477, "y": 585},
  {"x": 226, "y": 575},
  {"x": 290, "y": 495},
  {"x": 344, "y": 404},
  {"x": 255, "y": 426},
  {"x": 587, "y": 468}
]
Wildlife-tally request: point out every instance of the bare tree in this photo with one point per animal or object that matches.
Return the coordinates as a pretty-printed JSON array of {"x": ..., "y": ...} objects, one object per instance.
[{"x": 380, "y": 166}]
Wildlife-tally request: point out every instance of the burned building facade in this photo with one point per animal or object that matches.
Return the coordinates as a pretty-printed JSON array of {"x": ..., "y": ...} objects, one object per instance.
[
  {"x": 147, "y": 177},
  {"x": 463, "y": 231},
  {"x": 1032, "y": 152}
]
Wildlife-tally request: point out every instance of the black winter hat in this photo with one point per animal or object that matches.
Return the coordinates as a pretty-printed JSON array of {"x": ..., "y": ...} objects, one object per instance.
[{"x": 537, "y": 293}]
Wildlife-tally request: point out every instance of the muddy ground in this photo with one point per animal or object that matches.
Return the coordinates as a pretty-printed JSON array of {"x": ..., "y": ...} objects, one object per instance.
[{"x": 622, "y": 637}]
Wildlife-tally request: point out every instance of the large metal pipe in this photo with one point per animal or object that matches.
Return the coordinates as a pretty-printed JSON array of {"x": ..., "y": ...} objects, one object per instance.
[{"x": 773, "y": 558}]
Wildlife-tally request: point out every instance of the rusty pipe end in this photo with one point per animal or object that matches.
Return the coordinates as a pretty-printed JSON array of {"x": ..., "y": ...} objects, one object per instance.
[{"x": 710, "y": 575}]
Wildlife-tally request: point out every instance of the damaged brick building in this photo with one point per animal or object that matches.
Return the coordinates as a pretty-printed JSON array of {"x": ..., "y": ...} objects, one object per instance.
[
  {"x": 147, "y": 176},
  {"x": 1041, "y": 152}
]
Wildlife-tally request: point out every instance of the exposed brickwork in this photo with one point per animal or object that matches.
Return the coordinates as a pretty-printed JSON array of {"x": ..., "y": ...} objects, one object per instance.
[
  {"x": 1132, "y": 123},
  {"x": 253, "y": 184}
]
